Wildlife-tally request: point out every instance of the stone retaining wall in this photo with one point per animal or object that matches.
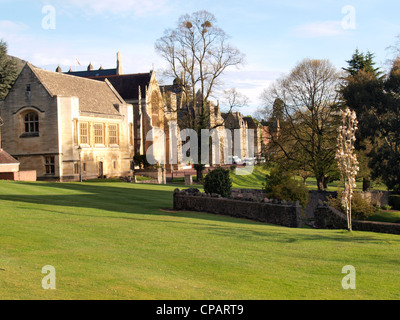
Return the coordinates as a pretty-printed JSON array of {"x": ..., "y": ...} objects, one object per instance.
[
  {"x": 330, "y": 218},
  {"x": 272, "y": 211}
]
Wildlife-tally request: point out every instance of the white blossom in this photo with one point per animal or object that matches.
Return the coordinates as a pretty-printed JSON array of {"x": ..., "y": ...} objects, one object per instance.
[{"x": 347, "y": 159}]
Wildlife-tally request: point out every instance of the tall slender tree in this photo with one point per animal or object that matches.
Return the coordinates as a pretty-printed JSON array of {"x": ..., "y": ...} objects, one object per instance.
[{"x": 347, "y": 159}]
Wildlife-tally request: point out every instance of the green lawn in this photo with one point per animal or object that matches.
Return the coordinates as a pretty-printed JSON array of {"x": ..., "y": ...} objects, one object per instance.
[
  {"x": 256, "y": 179},
  {"x": 115, "y": 240},
  {"x": 386, "y": 216}
]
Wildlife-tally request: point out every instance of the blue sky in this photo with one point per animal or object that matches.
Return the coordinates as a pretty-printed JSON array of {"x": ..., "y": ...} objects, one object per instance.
[{"x": 274, "y": 35}]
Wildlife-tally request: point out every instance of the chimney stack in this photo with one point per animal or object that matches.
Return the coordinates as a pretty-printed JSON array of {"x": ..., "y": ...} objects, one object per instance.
[{"x": 119, "y": 63}]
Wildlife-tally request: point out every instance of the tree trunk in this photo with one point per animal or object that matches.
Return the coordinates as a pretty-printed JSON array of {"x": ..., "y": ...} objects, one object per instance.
[
  {"x": 366, "y": 184},
  {"x": 321, "y": 183},
  {"x": 325, "y": 184},
  {"x": 199, "y": 175}
]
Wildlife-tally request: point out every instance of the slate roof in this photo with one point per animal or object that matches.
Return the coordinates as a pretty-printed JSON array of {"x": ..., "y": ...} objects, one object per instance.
[
  {"x": 94, "y": 96},
  {"x": 93, "y": 73},
  {"x": 5, "y": 158},
  {"x": 251, "y": 122},
  {"x": 127, "y": 85}
]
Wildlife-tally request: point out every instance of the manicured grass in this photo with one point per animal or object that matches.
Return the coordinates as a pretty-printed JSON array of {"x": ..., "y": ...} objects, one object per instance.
[
  {"x": 251, "y": 179},
  {"x": 115, "y": 240},
  {"x": 386, "y": 216}
]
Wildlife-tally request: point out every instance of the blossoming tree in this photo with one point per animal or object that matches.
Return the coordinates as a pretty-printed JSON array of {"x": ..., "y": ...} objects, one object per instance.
[{"x": 347, "y": 159}]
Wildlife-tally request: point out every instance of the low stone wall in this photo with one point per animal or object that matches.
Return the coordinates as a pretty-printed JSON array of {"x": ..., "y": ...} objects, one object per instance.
[
  {"x": 158, "y": 175},
  {"x": 148, "y": 182},
  {"x": 378, "y": 198},
  {"x": 249, "y": 194},
  {"x": 269, "y": 211},
  {"x": 329, "y": 218}
]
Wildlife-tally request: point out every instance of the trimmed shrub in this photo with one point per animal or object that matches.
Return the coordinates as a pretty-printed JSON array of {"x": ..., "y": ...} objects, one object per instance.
[
  {"x": 361, "y": 209},
  {"x": 280, "y": 185},
  {"x": 218, "y": 181}
]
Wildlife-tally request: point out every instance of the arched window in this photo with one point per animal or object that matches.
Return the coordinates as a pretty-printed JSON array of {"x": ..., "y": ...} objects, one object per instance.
[{"x": 31, "y": 122}]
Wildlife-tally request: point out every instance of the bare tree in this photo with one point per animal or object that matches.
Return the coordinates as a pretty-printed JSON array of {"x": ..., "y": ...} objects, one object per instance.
[
  {"x": 234, "y": 99},
  {"x": 307, "y": 135},
  {"x": 197, "y": 52}
]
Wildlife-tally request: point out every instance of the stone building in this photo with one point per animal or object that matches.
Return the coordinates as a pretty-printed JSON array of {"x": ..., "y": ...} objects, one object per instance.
[
  {"x": 152, "y": 111},
  {"x": 187, "y": 118},
  {"x": 67, "y": 127},
  {"x": 258, "y": 135},
  {"x": 221, "y": 124},
  {"x": 249, "y": 137},
  {"x": 233, "y": 122}
]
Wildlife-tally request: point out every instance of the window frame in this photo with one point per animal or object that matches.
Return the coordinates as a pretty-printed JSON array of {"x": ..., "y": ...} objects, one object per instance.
[
  {"x": 96, "y": 135},
  {"x": 86, "y": 136},
  {"x": 50, "y": 165},
  {"x": 31, "y": 123},
  {"x": 113, "y": 139}
]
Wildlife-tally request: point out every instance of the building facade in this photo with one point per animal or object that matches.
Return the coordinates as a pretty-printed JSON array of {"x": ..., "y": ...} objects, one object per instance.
[
  {"x": 67, "y": 127},
  {"x": 152, "y": 112}
]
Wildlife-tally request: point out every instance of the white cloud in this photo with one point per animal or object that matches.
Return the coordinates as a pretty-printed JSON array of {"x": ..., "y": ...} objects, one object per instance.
[
  {"x": 10, "y": 27},
  {"x": 251, "y": 83},
  {"x": 320, "y": 29}
]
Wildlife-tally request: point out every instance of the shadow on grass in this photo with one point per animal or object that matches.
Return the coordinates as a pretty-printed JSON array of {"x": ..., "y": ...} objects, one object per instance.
[
  {"x": 156, "y": 200},
  {"x": 114, "y": 196}
]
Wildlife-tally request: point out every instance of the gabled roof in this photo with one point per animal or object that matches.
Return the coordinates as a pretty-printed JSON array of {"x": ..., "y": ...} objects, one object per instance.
[
  {"x": 5, "y": 158},
  {"x": 94, "y": 96},
  {"x": 128, "y": 85}
]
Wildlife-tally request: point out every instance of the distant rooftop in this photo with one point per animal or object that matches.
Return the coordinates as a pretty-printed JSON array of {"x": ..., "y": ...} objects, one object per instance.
[
  {"x": 128, "y": 85},
  {"x": 91, "y": 72}
]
